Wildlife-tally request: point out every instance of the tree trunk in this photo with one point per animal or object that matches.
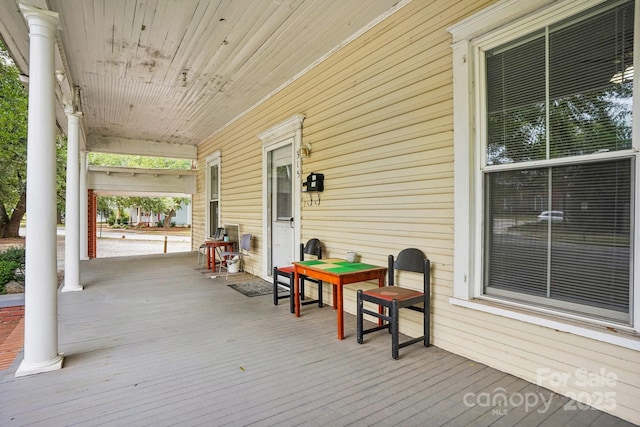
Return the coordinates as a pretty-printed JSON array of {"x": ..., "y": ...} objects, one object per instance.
[
  {"x": 167, "y": 218},
  {"x": 12, "y": 228},
  {"x": 4, "y": 219}
]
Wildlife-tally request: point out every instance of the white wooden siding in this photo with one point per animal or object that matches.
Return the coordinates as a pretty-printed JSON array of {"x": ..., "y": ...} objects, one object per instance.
[{"x": 380, "y": 122}]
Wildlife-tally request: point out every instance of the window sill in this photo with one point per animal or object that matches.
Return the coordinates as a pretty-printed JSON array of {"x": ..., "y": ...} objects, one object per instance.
[{"x": 619, "y": 337}]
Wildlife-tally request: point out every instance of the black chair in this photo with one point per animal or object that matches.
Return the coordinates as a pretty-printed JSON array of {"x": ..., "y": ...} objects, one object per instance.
[
  {"x": 313, "y": 247},
  {"x": 393, "y": 298}
]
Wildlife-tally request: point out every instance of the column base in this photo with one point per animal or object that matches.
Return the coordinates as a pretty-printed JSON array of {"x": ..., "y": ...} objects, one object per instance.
[
  {"x": 71, "y": 289},
  {"x": 27, "y": 368}
]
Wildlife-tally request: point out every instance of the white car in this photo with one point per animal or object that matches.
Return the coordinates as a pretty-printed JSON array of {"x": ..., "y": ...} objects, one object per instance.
[{"x": 551, "y": 215}]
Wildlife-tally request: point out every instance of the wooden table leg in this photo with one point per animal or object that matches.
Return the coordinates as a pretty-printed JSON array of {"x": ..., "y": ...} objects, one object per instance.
[
  {"x": 213, "y": 259},
  {"x": 340, "y": 312},
  {"x": 296, "y": 292},
  {"x": 380, "y": 308},
  {"x": 208, "y": 255}
]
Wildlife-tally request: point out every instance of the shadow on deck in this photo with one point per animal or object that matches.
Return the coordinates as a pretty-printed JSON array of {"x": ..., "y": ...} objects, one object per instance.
[{"x": 153, "y": 341}]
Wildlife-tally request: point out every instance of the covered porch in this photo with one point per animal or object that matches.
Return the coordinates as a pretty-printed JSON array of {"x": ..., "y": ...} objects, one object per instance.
[{"x": 154, "y": 341}]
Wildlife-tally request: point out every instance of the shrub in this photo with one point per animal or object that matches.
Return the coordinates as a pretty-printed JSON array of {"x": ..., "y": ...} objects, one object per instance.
[
  {"x": 14, "y": 257},
  {"x": 7, "y": 273},
  {"x": 13, "y": 254}
]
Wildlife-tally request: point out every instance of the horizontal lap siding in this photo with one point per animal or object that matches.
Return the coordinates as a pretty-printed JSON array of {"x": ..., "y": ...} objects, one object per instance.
[
  {"x": 198, "y": 211},
  {"x": 381, "y": 133},
  {"x": 379, "y": 119},
  {"x": 522, "y": 349},
  {"x": 241, "y": 186}
]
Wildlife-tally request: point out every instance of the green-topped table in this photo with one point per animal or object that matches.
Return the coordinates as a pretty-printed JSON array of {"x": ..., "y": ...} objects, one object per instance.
[{"x": 338, "y": 272}]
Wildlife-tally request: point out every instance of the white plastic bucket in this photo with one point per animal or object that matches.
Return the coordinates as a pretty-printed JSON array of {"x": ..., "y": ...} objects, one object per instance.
[{"x": 233, "y": 264}]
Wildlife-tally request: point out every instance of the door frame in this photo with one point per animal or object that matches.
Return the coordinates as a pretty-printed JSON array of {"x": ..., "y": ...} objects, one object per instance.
[{"x": 273, "y": 138}]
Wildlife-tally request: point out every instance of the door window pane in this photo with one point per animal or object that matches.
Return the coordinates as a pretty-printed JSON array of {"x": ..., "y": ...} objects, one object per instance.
[{"x": 283, "y": 192}]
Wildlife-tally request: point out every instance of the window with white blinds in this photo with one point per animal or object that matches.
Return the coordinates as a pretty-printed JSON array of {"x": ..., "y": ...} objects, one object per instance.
[
  {"x": 213, "y": 193},
  {"x": 558, "y": 168}
]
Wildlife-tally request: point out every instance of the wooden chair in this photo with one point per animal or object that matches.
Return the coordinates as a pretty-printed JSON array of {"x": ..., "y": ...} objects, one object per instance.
[
  {"x": 393, "y": 298},
  {"x": 313, "y": 247}
]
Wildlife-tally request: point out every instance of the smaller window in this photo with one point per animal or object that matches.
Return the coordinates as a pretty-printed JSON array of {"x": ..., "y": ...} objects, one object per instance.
[{"x": 213, "y": 208}]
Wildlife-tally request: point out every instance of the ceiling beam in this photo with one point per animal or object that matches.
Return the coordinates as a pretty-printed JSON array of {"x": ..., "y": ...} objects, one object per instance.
[
  {"x": 141, "y": 147},
  {"x": 110, "y": 180}
]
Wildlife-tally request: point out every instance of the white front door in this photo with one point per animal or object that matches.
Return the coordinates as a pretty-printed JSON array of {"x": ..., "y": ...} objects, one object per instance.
[{"x": 281, "y": 206}]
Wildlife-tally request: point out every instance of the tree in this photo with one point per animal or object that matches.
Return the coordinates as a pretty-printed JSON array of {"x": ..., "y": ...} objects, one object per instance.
[
  {"x": 13, "y": 152},
  {"x": 164, "y": 205},
  {"x": 132, "y": 161},
  {"x": 105, "y": 206},
  {"x": 170, "y": 207},
  {"x": 61, "y": 176}
]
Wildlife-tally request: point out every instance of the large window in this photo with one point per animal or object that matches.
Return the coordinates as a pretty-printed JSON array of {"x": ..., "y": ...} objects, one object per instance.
[
  {"x": 557, "y": 167},
  {"x": 545, "y": 165}
]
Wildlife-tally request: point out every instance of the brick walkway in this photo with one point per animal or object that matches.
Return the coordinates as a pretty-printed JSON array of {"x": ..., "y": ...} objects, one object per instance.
[{"x": 11, "y": 334}]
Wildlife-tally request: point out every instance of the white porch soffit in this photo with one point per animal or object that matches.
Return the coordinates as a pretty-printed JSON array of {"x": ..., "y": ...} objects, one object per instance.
[{"x": 179, "y": 71}]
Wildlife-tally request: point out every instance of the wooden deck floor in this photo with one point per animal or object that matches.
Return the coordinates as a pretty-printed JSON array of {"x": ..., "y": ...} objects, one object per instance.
[{"x": 152, "y": 341}]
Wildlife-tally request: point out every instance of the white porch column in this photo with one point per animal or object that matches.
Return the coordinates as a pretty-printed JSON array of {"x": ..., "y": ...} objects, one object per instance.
[
  {"x": 72, "y": 210},
  {"x": 41, "y": 282},
  {"x": 84, "y": 208}
]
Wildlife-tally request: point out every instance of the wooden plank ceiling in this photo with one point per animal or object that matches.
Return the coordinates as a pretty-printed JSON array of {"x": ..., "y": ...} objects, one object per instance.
[{"x": 176, "y": 71}]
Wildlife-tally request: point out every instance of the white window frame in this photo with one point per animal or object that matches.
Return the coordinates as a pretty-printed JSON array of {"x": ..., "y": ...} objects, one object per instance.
[
  {"x": 212, "y": 160},
  {"x": 495, "y": 25}
]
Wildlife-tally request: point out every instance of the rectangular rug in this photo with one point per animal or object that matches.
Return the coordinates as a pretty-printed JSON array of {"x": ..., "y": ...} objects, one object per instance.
[{"x": 253, "y": 288}]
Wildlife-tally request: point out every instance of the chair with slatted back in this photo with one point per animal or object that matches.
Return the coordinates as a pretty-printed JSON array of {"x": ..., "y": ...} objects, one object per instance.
[
  {"x": 313, "y": 247},
  {"x": 392, "y": 298}
]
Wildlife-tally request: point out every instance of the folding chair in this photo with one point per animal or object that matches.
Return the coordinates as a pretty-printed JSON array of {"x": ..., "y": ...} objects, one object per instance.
[
  {"x": 202, "y": 255},
  {"x": 245, "y": 247}
]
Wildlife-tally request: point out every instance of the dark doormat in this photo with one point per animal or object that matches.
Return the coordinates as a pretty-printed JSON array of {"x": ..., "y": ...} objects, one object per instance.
[{"x": 253, "y": 288}]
